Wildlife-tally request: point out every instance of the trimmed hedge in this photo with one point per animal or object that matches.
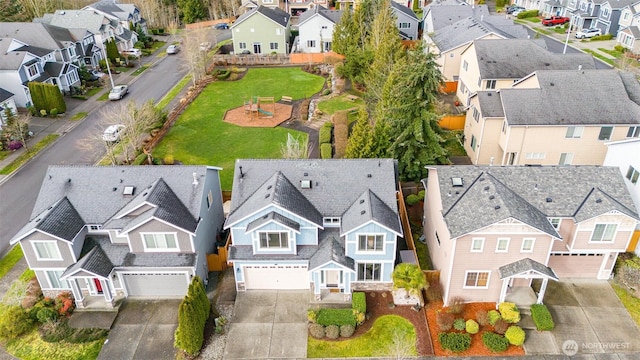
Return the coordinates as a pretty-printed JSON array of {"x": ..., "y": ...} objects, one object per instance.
[
  {"x": 324, "y": 135},
  {"x": 336, "y": 317},
  {"x": 456, "y": 342},
  {"x": 528, "y": 14},
  {"x": 359, "y": 302},
  {"x": 542, "y": 317},
  {"x": 515, "y": 335},
  {"x": 326, "y": 151},
  {"x": 495, "y": 342},
  {"x": 46, "y": 97}
]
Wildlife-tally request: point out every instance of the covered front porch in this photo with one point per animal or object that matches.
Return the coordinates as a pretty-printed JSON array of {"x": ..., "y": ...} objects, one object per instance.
[
  {"x": 331, "y": 272},
  {"x": 90, "y": 281},
  {"x": 516, "y": 282}
]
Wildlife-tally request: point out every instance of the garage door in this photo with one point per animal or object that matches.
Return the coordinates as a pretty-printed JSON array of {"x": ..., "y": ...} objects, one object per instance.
[
  {"x": 576, "y": 265},
  {"x": 281, "y": 277},
  {"x": 156, "y": 284}
]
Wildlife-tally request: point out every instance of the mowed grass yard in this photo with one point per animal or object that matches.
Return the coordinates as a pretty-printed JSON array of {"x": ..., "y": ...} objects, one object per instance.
[{"x": 201, "y": 137}]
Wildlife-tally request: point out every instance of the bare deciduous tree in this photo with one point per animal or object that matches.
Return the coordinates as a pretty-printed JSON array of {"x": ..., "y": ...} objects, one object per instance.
[
  {"x": 195, "y": 53},
  {"x": 294, "y": 148},
  {"x": 17, "y": 127}
]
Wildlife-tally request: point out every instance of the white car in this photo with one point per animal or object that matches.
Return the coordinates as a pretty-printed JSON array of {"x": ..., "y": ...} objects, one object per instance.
[
  {"x": 588, "y": 33},
  {"x": 172, "y": 49},
  {"x": 113, "y": 133},
  {"x": 118, "y": 92},
  {"x": 133, "y": 52}
]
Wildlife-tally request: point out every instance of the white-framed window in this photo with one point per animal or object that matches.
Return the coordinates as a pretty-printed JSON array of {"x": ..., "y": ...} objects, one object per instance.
[
  {"x": 331, "y": 221},
  {"x": 54, "y": 279},
  {"x": 527, "y": 245},
  {"x": 32, "y": 71},
  {"x": 465, "y": 65},
  {"x": 404, "y": 25},
  {"x": 46, "y": 250},
  {"x": 242, "y": 45},
  {"x": 491, "y": 84},
  {"x": 502, "y": 245},
  {"x": 574, "y": 132},
  {"x": 634, "y": 131},
  {"x": 603, "y": 233},
  {"x": 632, "y": 175},
  {"x": 369, "y": 271},
  {"x": 371, "y": 242},
  {"x": 535, "y": 156},
  {"x": 626, "y": 15},
  {"x": 72, "y": 51},
  {"x": 555, "y": 222},
  {"x": 273, "y": 46},
  {"x": 565, "y": 159},
  {"x": 209, "y": 199},
  {"x": 72, "y": 77},
  {"x": 274, "y": 240},
  {"x": 605, "y": 133},
  {"x": 473, "y": 142},
  {"x": 311, "y": 43},
  {"x": 476, "y": 279},
  {"x": 605, "y": 12},
  {"x": 160, "y": 242},
  {"x": 476, "y": 114},
  {"x": 477, "y": 244}
]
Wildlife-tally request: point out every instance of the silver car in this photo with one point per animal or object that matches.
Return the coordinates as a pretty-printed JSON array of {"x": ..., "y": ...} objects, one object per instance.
[
  {"x": 173, "y": 49},
  {"x": 112, "y": 133},
  {"x": 118, "y": 92}
]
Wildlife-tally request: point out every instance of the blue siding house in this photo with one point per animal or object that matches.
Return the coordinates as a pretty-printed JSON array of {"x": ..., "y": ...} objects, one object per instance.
[{"x": 330, "y": 226}]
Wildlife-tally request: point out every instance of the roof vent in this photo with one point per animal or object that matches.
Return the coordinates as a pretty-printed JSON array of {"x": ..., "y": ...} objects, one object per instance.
[
  {"x": 369, "y": 175},
  {"x": 598, "y": 201},
  {"x": 305, "y": 184},
  {"x": 241, "y": 173},
  {"x": 69, "y": 180},
  {"x": 486, "y": 188},
  {"x": 306, "y": 174},
  {"x": 269, "y": 187},
  {"x": 549, "y": 199},
  {"x": 361, "y": 201},
  {"x": 481, "y": 179},
  {"x": 267, "y": 195},
  {"x": 362, "y": 212},
  {"x": 449, "y": 193},
  {"x": 456, "y": 181},
  {"x": 497, "y": 207},
  {"x": 128, "y": 190},
  {"x": 115, "y": 188},
  {"x": 491, "y": 197}
]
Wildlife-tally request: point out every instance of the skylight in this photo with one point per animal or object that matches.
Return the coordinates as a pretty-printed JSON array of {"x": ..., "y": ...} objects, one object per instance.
[{"x": 456, "y": 181}]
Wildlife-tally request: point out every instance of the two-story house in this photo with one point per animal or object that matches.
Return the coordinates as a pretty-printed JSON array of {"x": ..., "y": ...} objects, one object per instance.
[
  {"x": 113, "y": 232},
  {"x": 553, "y": 8},
  {"x": 263, "y": 30},
  {"x": 406, "y": 21},
  {"x": 492, "y": 230},
  {"x": 315, "y": 28},
  {"x": 609, "y": 15},
  {"x": 586, "y": 14},
  {"x": 299, "y": 7},
  {"x": 7, "y": 104},
  {"x": 324, "y": 225},
  {"x": 497, "y": 64},
  {"x": 128, "y": 15},
  {"x": 629, "y": 27},
  {"x": 548, "y": 118}
]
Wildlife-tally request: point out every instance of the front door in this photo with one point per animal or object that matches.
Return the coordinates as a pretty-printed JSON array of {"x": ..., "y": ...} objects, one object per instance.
[
  {"x": 98, "y": 285},
  {"x": 257, "y": 49},
  {"x": 333, "y": 278}
]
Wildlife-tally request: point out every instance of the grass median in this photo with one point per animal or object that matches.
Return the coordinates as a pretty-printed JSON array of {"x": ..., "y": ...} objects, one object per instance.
[{"x": 26, "y": 156}]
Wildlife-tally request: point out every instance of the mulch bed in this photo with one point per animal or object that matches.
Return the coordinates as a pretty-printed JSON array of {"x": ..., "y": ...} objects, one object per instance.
[
  {"x": 378, "y": 305},
  {"x": 477, "y": 347}
]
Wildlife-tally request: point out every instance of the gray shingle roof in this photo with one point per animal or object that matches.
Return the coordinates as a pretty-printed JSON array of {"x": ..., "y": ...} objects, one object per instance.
[
  {"x": 60, "y": 219},
  {"x": 528, "y": 194},
  {"x": 404, "y": 9},
  {"x": 445, "y": 15},
  {"x": 275, "y": 14},
  {"x": 526, "y": 265},
  {"x": 563, "y": 99},
  {"x": 490, "y": 104},
  {"x": 632, "y": 86},
  {"x": 331, "y": 250},
  {"x": 35, "y": 50},
  {"x": 470, "y": 28},
  {"x": 95, "y": 262},
  {"x": 37, "y": 34},
  {"x": 245, "y": 252},
  {"x": 517, "y": 58},
  {"x": 5, "y": 95},
  {"x": 75, "y": 19},
  {"x": 10, "y": 60},
  {"x": 332, "y": 15},
  {"x": 273, "y": 216},
  {"x": 112, "y": 8},
  {"x": 369, "y": 207}
]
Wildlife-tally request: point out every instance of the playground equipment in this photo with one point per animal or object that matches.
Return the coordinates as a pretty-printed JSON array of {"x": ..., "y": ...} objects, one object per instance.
[{"x": 253, "y": 107}]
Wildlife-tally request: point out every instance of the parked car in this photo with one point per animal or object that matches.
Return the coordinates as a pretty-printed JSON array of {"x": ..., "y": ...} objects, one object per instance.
[
  {"x": 113, "y": 133},
  {"x": 133, "y": 52},
  {"x": 245, "y": 52},
  {"x": 173, "y": 49},
  {"x": 205, "y": 46},
  {"x": 97, "y": 73},
  {"x": 513, "y": 8},
  {"x": 118, "y": 92},
  {"x": 516, "y": 12},
  {"x": 555, "y": 20},
  {"x": 221, "y": 26},
  {"x": 588, "y": 33}
]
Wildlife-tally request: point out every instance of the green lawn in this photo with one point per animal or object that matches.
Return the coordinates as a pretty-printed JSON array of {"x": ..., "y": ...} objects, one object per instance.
[
  {"x": 452, "y": 144},
  {"x": 629, "y": 301},
  {"x": 615, "y": 53},
  {"x": 140, "y": 70},
  {"x": 338, "y": 103},
  {"x": 378, "y": 341},
  {"x": 600, "y": 56},
  {"x": 79, "y": 116},
  {"x": 9, "y": 260},
  {"x": 201, "y": 137},
  {"x": 32, "y": 347},
  {"x": 174, "y": 92}
]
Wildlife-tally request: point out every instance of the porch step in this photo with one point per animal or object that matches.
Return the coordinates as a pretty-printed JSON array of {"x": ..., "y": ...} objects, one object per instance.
[
  {"x": 525, "y": 310},
  {"x": 526, "y": 322}
]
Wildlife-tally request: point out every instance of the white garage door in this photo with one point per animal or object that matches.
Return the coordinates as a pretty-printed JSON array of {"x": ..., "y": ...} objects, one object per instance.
[
  {"x": 156, "y": 284},
  {"x": 281, "y": 277},
  {"x": 576, "y": 265}
]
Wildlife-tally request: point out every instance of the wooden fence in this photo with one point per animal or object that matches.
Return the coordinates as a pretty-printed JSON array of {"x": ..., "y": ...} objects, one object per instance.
[
  {"x": 450, "y": 87},
  {"x": 452, "y": 122},
  {"x": 404, "y": 219},
  {"x": 218, "y": 262},
  {"x": 251, "y": 59}
]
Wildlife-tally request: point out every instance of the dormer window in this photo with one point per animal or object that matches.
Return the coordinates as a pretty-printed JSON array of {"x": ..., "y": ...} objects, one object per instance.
[
  {"x": 331, "y": 222},
  {"x": 46, "y": 250},
  {"x": 274, "y": 240},
  {"x": 370, "y": 242},
  {"x": 32, "y": 71}
]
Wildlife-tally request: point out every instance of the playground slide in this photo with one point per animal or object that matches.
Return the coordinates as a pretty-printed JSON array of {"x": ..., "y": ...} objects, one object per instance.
[{"x": 265, "y": 112}]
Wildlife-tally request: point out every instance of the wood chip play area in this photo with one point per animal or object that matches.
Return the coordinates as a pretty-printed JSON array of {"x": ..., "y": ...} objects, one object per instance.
[{"x": 260, "y": 111}]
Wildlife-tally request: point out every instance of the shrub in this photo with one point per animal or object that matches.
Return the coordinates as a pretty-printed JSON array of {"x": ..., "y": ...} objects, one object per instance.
[
  {"x": 456, "y": 305},
  {"x": 168, "y": 160},
  {"x": 14, "y": 322},
  {"x": 53, "y": 112},
  {"x": 326, "y": 151},
  {"x": 501, "y": 326},
  {"x": 410, "y": 277},
  {"x": 324, "y": 135},
  {"x": 55, "y": 331},
  {"x": 620, "y": 48},
  {"x": 509, "y": 312},
  {"x": 482, "y": 317},
  {"x": 515, "y": 335},
  {"x": 140, "y": 159},
  {"x": 64, "y": 303},
  {"x": 602, "y": 37},
  {"x": 494, "y": 316},
  {"x": 360, "y": 317},
  {"x": 434, "y": 291},
  {"x": 332, "y": 331},
  {"x": 326, "y": 92},
  {"x": 336, "y": 317},
  {"x": 528, "y": 14},
  {"x": 459, "y": 324},
  {"x": 495, "y": 342},
  {"x": 312, "y": 316},
  {"x": 456, "y": 342},
  {"x": 359, "y": 302},
  {"x": 347, "y": 330},
  {"x": 472, "y": 327},
  {"x": 15, "y": 144},
  {"x": 316, "y": 330},
  {"x": 46, "y": 314},
  {"x": 542, "y": 317},
  {"x": 421, "y": 194},
  {"x": 412, "y": 199},
  {"x": 43, "y": 113},
  {"x": 444, "y": 320}
]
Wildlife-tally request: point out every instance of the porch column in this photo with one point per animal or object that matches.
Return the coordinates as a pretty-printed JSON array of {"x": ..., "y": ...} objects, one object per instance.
[
  {"x": 503, "y": 290},
  {"x": 106, "y": 291},
  {"x": 77, "y": 293},
  {"x": 543, "y": 288}
]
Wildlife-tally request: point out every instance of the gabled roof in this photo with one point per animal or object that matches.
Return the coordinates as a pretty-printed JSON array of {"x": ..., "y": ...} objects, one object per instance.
[
  {"x": 445, "y": 15},
  {"x": 76, "y": 19},
  {"x": 274, "y": 14},
  {"x": 619, "y": 4},
  {"x": 490, "y": 103},
  {"x": 331, "y": 15},
  {"x": 331, "y": 250},
  {"x": 37, "y": 51},
  {"x": 273, "y": 217},
  {"x": 60, "y": 219},
  {"x": 517, "y": 58},
  {"x": 5, "y": 95},
  {"x": 470, "y": 28},
  {"x": 368, "y": 207},
  {"x": 529, "y": 194},
  {"x": 526, "y": 265},
  {"x": 112, "y": 8},
  {"x": 557, "y": 102},
  {"x": 37, "y": 34},
  {"x": 632, "y": 30},
  {"x": 94, "y": 262},
  {"x": 10, "y": 60},
  {"x": 403, "y": 9}
]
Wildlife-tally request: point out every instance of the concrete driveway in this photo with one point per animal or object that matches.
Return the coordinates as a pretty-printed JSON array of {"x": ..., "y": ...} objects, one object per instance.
[
  {"x": 589, "y": 318},
  {"x": 268, "y": 324},
  {"x": 143, "y": 329}
]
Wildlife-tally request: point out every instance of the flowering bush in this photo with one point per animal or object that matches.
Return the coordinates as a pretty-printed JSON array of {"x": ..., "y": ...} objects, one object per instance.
[
  {"x": 15, "y": 145},
  {"x": 64, "y": 303}
]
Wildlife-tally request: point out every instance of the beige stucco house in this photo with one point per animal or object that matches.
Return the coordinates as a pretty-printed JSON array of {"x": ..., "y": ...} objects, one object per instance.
[
  {"x": 552, "y": 117},
  {"x": 492, "y": 230}
]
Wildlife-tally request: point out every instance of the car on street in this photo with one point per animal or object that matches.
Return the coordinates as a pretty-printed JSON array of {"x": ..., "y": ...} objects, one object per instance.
[
  {"x": 113, "y": 133},
  {"x": 132, "y": 52},
  {"x": 588, "y": 33},
  {"x": 118, "y": 92},
  {"x": 221, "y": 26},
  {"x": 172, "y": 49}
]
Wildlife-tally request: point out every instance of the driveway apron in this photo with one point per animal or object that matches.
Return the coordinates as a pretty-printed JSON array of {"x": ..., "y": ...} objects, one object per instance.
[{"x": 268, "y": 324}]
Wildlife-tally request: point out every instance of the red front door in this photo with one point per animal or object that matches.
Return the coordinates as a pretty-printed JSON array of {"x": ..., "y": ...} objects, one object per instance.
[{"x": 98, "y": 285}]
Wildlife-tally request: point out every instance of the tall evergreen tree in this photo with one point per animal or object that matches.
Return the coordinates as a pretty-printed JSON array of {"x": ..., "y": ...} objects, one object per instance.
[
  {"x": 189, "y": 335},
  {"x": 112, "y": 50},
  {"x": 191, "y": 10},
  {"x": 360, "y": 143}
]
